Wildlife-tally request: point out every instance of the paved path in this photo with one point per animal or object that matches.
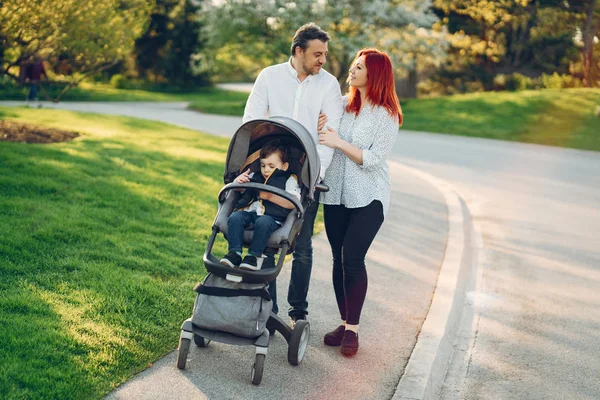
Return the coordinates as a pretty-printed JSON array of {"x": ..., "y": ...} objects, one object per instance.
[{"x": 175, "y": 113}]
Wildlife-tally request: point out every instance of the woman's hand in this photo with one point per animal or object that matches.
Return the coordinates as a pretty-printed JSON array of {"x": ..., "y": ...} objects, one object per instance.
[
  {"x": 321, "y": 122},
  {"x": 244, "y": 177},
  {"x": 330, "y": 138}
]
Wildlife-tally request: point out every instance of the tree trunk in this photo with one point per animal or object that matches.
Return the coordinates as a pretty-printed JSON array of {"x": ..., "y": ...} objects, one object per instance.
[
  {"x": 413, "y": 79},
  {"x": 587, "y": 53}
]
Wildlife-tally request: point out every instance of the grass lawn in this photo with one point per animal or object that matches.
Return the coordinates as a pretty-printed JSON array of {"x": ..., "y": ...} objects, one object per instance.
[
  {"x": 101, "y": 245},
  {"x": 564, "y": 118}
]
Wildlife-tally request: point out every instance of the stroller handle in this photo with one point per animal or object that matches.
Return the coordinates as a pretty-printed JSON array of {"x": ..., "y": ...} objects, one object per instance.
[{"x": 263, "y": 188}]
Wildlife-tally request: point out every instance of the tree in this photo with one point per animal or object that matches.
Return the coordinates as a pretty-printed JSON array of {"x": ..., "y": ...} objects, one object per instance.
[
  {"x": 590, "y": 31},
  {"x": 259, "y": 32},
  {"x": 164, "y": 52},
  {"x": 92, "y": 34}
]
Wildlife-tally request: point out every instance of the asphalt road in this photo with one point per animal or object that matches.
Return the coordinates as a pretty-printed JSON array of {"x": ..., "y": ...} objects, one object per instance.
[{"x": 534, "y": 328}]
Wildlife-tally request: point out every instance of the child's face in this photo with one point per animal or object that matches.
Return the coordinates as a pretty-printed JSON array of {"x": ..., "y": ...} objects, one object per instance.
[{"x": 268, "y": 164}]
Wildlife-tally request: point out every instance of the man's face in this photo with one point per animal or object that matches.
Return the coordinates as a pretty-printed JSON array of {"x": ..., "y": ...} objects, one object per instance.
[
  {"x": 313, "y": 58},
  {"x": 270, "y": 163}
]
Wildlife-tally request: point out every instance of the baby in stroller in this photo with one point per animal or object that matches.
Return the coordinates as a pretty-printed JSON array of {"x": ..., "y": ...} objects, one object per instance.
[
  {"x": 263, "y": 210},
  {"x": 233, "y": 305}
]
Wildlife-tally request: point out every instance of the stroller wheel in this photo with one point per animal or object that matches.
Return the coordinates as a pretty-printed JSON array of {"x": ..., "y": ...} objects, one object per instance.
[
  {"x": 200, "y": 341},
  {"x": 257, "y": 369},
  {"x": 184, "y": 348},
  {"x": 298, "y": 342}
]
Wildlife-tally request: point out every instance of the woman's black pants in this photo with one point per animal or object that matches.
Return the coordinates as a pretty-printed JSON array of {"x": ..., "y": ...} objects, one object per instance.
[{"x": 350, "y": 232}]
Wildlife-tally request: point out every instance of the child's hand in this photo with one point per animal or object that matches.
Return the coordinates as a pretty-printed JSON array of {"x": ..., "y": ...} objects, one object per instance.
[{"x": 244, "y": 177}]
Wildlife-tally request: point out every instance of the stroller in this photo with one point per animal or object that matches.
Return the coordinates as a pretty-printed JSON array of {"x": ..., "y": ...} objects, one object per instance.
[{"x": 244, "y": 151}]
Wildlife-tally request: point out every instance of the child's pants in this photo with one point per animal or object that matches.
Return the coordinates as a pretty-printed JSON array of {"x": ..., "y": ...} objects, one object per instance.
[{"x": 237, "y": 223}]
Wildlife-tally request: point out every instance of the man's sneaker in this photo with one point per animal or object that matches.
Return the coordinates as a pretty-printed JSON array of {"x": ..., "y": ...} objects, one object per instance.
[
  {"x": 231, "y": 259},
  {"x": 334, "y": 338},
  {"x": 349, "y": 345},
  {"x": 251, "y": 263}
]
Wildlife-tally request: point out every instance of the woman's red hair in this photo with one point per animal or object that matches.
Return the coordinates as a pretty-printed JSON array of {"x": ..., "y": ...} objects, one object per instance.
[{"x": 381, "y": 89}]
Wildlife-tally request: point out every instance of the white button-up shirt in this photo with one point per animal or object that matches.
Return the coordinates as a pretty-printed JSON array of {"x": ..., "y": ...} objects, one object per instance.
[
  {"x": 374, "y": 131},
  {"x": 278, "y": 92}
]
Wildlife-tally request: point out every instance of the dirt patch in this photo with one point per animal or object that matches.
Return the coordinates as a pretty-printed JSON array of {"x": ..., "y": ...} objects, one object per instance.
[{"x": 18, "y": 132}]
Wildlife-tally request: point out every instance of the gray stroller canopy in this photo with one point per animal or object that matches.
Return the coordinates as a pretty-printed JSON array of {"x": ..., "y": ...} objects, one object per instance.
[{"x": 252, "y": 135}]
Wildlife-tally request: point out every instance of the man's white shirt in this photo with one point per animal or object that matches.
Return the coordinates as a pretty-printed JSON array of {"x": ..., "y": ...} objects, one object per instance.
[{"x": 278, "y": 92}]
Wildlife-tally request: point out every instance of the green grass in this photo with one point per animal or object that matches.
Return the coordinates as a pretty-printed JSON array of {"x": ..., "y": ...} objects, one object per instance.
[
  {"x": 101, "y": 245},
  {"x": 564, "y": 118}
]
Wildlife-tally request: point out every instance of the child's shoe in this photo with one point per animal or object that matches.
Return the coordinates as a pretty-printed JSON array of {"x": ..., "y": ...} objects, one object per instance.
[
  {"x": 231, "y": 259},
  {"x": 252, "y": 263}
]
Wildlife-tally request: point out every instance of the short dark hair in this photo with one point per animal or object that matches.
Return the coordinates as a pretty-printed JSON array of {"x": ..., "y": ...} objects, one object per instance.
[
  {"x": 275, "y": 146},
  {"x": 306, "y": 33}
]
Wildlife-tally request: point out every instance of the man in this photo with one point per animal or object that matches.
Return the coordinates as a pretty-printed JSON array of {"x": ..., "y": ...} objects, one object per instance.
[
  {"x": 300, "y": 89},
  {"x": 34, "y": 71}
]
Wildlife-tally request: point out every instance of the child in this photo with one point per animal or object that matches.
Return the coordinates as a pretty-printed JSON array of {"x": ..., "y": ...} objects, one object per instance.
[{"x": 265, "y": 210}]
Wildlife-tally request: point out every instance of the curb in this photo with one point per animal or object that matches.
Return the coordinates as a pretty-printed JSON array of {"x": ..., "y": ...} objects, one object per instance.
[{"x": 426, "y": 368}]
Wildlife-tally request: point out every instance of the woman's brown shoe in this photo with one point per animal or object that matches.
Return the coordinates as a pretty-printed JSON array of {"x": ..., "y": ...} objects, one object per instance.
[
  {"x": 334, "y": 338},
  {"x": 349, "y": 345}
]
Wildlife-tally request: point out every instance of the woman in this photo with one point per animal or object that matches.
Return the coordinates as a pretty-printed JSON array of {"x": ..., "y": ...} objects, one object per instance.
[{"x": 359, "y": 184}]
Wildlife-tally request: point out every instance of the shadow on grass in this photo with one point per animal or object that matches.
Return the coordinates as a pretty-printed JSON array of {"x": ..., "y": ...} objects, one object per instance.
[{"x": 96, "y": 275}]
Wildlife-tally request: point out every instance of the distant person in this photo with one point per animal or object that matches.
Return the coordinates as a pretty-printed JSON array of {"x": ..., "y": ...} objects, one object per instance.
[
  {"x": 300, "y": 89},
  {"x": 266, "y": 211},
  {"x": 34, "y": 70},
  {"x": 359, "y": 184}
]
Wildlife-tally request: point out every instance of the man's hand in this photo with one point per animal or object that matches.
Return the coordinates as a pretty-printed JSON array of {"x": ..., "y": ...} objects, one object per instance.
[{"x": 244, "y": 177}]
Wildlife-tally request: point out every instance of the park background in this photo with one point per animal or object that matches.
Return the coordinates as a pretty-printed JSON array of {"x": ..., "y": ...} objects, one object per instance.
[{"x": 101, "y": 237}]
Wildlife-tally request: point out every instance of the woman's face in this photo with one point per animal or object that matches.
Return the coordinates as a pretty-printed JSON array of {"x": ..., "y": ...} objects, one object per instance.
[{"x": 358, "y": 74}]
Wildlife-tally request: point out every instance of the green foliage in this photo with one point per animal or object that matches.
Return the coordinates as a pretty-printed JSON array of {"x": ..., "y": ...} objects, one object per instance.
[
  {"x": 118, "y": 81},
  {"x": 514, "y": 82},
  {"x": 257, "y": 33},
  {"x": 106, "y": 240},
  {"x": 507, "y": 37},
  {"x": 79, "y": 36},
  {"x": 164, "y": 53},
  {"x": 557, "y": 81}
]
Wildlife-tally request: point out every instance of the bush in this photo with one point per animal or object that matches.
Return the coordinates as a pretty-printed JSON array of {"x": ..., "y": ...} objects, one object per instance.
[
  {"x": 518, "y": 82},
  {"x": 11, "y": 90},
  {"x": 118, "y": 81},
  {"x": 513, "y": 83},
  {"x": 557, "y": 81}
]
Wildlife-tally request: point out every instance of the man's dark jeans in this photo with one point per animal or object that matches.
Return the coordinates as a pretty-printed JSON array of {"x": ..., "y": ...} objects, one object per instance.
[
  {"x": 301, "y": 266},
  {"x": 32, "y": 96},
  {"x": 264, "y": 226}
]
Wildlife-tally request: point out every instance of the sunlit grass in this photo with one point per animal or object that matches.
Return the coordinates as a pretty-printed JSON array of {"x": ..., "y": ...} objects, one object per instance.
[
  {"x": 101, "y": 245},
  {"x": 564, "y": 118}
]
